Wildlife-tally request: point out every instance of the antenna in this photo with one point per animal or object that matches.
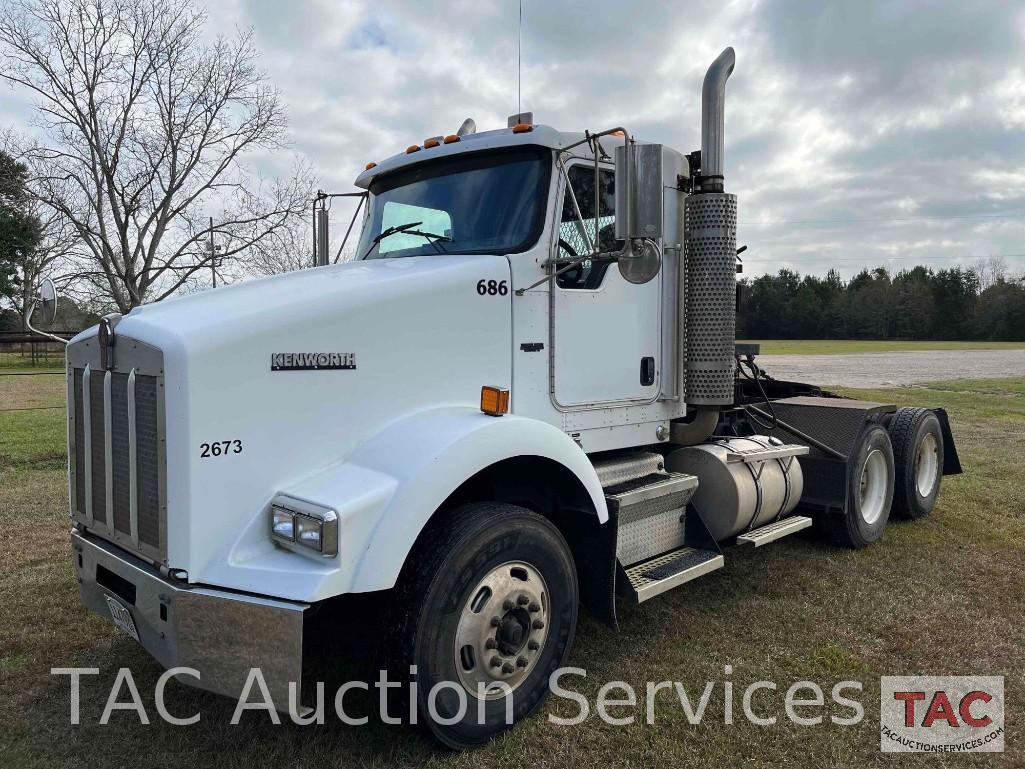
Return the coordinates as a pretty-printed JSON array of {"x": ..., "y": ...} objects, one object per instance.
[{"x": 519, "y": 57}]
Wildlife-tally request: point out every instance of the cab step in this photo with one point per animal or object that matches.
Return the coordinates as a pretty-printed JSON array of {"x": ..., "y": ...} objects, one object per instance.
[
  {"x": 773, "y": 531},
  {"x": 657, "y": 575}
]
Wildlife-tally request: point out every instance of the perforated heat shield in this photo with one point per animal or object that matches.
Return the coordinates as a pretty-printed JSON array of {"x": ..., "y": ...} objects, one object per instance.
[{"x": 711, "y": 257}]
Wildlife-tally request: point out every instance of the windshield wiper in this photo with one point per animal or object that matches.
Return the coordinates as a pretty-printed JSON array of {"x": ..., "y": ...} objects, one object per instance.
[
  {"x": 407, "y": 229},
  {"x": 389, "y": 231},
  {"x": 432, "y": 237}
]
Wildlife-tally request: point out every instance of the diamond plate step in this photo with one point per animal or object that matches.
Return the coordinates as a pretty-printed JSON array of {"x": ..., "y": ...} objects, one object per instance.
[
  {"x": 649, "y": 514},
  {"x": 670, "y": 570},
  {"x": 762, "y": 454},
  {"x": 774, "y": 531}
]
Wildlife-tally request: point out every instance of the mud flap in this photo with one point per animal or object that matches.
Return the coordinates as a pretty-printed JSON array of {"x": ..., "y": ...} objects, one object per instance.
[{"x": 951, "y": 461}]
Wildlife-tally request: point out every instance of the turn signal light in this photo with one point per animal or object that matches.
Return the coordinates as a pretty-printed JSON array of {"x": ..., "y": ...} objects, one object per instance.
[
  {"x": 494, "y": 401},
  {"x": 522, "y": 128},
  {"x": 451, "y": 138},
  {"x": 412, "y": 148}
]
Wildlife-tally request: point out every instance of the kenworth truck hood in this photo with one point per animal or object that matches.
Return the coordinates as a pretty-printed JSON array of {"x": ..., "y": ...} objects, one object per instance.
[{"x": 417, "y": 331}]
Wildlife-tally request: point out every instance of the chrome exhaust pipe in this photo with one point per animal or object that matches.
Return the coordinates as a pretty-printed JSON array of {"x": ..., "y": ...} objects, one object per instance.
[
  {"x": 713, "y": 120},
  {"x": 708, "y": 321}
]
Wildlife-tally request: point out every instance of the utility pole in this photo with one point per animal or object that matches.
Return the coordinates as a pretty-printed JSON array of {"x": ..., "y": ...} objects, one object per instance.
[{"x": 213, "y": 261}]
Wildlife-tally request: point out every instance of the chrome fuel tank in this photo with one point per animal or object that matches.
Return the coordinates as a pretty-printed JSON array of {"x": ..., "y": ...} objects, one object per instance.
[{"x": 743, "y": 483}]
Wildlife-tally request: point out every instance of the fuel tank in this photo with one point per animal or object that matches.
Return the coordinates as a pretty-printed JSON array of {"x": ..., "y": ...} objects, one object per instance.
[{"x": 743, "y": 483}]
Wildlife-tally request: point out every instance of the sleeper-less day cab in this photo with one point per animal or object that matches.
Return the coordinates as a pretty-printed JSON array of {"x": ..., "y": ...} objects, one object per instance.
[{"x": 525, "y": 393}]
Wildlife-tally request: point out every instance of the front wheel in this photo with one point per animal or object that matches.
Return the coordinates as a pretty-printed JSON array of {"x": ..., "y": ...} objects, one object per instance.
[{"x": 490, "y": 613}]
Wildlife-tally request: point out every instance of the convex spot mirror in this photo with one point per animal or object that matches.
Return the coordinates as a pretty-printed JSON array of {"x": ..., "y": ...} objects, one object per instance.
[
  {"x": 640, "y": 261},
  {"x": 48, "y": 301}
]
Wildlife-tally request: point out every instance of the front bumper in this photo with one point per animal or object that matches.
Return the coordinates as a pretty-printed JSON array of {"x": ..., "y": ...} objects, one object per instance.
[{"x": 219, "y": 633}]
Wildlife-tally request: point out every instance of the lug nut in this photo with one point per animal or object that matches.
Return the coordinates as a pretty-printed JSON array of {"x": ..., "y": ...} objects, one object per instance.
[
  {"x": 521, "y": 662},
  {"x": 507, "y": 604},
  {"x": 508, "y": 668},
  {"x": 537, "y": 624},
  {"x": 496, "y": 621},
  {"x": 533, "y": 646},
  {"x": 491, "y": 643},
  {"x": 523, "y": 600},
  {"x": 495, "y": 662},
  {"x": 534, "y": 608}
]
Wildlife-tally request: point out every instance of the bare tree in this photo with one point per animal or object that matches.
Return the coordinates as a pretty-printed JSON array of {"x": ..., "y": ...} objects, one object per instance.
[
  {"x": 145, "y": 126},
  {"x": 991, "y": 270},
  {"x": 47, "y": 242},
  {"x": 289, "y": 249}
]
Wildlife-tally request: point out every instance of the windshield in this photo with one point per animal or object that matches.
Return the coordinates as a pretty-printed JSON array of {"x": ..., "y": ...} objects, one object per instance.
[{"x": 468, "y": 204}]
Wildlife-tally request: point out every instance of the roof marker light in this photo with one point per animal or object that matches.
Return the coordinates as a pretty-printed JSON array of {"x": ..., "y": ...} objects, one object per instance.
[
  {"x": 451, "y": 138},
  {"x": 430, "y": 143},
  {"x": 370, "y": 165},
  {"x": 412, "y": 148},
  {"x": 522, "y": 128}
]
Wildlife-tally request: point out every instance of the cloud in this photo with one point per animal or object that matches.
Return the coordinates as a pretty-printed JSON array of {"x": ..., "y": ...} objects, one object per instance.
[{"x": 858, "y": 132}]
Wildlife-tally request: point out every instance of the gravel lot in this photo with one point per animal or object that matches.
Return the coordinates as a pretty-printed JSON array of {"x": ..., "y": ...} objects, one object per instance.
[{"x": 895, "y": 368}]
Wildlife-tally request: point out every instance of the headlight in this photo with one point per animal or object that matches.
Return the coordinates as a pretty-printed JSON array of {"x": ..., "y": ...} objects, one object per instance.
[
  {"x": 283, "y": 524},
  {"x": 304, "y": 527},
  {"x": 309, "y": 531}
]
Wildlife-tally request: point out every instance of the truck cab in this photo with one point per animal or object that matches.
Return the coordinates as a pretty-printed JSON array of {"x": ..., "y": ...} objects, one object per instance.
[{"x": 522, "y": 395}]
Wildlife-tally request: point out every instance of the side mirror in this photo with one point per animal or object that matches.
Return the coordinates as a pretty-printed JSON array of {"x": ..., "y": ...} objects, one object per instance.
[
  {"x": 638, "y": 191},
  {"x": 48, "y": 301}
]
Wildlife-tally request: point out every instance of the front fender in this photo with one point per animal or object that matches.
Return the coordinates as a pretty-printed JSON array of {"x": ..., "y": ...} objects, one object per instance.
[
  {"x": 384, "y": 493},
  {"x": 429, "y": 455}
]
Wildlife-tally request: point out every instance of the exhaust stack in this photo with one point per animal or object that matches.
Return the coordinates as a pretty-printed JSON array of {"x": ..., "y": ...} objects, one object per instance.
[
  {"x": 713, "y": 120},
  {"x": 709, "y": 317}
]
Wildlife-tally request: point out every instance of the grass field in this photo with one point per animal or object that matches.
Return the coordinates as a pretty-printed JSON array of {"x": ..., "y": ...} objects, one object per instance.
[
  {"x": 842, "y": 346},
  {"x": 941, "y": 596},
  {"x": 16, "y": 361}
]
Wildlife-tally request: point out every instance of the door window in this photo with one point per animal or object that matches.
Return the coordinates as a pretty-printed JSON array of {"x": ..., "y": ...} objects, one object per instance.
[{"x": 576, "y": 231}]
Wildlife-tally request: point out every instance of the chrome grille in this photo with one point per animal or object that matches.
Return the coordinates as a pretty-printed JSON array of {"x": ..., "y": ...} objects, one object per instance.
[{"x": 116, "y": 445}]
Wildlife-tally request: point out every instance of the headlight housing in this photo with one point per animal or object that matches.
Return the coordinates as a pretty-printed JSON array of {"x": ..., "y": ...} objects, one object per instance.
[{"x": 304, "y": 527}]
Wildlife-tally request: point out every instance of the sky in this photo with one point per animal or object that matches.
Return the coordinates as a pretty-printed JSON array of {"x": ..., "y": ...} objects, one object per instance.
[{"x": 858, "y": 133}]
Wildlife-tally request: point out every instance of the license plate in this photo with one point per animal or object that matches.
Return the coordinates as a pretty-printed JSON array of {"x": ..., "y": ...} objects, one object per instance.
[{"x": 122, "y": 617}]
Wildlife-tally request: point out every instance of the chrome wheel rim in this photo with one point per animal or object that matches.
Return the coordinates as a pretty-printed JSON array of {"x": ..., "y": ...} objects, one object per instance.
[
  {"x": 502, "y": 630},
  {"x": 927, "y": 465},
  {"x": 873, "y": 486}
]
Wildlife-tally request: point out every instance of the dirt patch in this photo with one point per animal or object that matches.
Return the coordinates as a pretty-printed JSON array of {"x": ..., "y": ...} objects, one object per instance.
[{"x": 892, "y": 369}]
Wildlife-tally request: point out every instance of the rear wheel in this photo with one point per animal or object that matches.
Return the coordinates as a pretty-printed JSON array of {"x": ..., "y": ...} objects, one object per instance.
[
  {"x": 869, "y": 491},
  {"x": 490, "y": 612},
  {"x": 918, "y": 457}
]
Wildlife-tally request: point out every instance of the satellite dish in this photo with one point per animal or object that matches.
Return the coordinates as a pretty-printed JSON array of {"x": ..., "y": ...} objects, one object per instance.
[
  {"x": 48, "y": 301},
  {"x": 641, "y": 262}
]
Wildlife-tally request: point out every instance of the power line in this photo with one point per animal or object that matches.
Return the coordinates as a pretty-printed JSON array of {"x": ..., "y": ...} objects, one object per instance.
[
  {"x": 873, "y": 220},
  {"x": 820, "y": 257}
]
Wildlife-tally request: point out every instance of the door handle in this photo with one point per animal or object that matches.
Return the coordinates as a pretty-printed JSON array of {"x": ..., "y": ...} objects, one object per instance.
[{"x": 647, "y": 371}]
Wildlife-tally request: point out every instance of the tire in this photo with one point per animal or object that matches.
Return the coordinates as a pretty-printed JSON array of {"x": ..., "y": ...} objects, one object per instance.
[
  {"x": 486, "y": 560},
  {"x": 869, "y": 490},
  {"x": 918, "y": 458}
]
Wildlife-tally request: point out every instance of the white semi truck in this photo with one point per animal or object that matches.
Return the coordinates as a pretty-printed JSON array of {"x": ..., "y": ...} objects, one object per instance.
[{"x": 524, "y": 394}]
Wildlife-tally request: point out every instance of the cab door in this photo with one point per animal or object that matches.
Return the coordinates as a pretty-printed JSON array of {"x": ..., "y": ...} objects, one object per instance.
[{"x": 606, "y": 331}]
